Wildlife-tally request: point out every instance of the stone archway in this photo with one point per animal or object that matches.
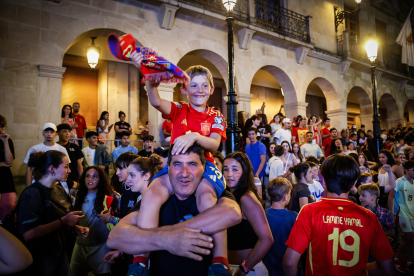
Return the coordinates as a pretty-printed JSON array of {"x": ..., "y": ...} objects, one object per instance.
[
  {"x": 392, "y": 117},
  {"x": 409, "y": 112},
  {"x": 365, "y": 105}
]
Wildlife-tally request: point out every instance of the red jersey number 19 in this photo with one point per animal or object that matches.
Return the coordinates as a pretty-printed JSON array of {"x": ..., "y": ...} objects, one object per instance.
[{"x": 336, "y": 238}]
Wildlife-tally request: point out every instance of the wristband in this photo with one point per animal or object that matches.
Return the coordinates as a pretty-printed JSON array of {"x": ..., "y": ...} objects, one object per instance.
[
  {"x": 61, "y": 221},
  {"x": 244, "y": 268}
]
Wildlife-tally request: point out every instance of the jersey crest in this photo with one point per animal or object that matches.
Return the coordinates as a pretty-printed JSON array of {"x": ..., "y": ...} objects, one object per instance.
[
  {"x": 205, "y": 128},
  {"x": 178, "y": 105}
]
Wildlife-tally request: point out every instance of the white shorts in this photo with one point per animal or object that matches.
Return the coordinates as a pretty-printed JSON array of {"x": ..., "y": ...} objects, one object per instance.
[
  {"x": 406, "y": 224},
  {"x": 259, "y": 270}
]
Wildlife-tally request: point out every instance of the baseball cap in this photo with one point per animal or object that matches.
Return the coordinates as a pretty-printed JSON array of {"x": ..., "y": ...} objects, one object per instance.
[
  {"x": 50, "y": 125},
  {"x": 286, "y": 120}
]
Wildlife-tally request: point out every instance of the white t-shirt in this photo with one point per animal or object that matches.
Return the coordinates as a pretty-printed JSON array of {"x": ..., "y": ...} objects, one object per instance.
[
  {"x": 275, "y": 167},
  {"x": 405, "y": 198},
  {"x": 283, "y": 135},
  {"x": 311, "y": 150},
  {"x": 275, "y": 127},
  {"x": 43, "y": 148},
  {"x": 89, "y": 156},
  {"x": 316, "y": 190}
]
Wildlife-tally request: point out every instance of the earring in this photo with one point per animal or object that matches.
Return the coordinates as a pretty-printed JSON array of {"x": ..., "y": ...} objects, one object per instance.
[{"x": 53, "y": 173}]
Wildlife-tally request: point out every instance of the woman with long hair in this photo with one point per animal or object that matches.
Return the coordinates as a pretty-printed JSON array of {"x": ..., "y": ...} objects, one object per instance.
[
  {"x": 44, "y": 216},
  {"x": 315, "y": 126},
  {"x": 103, "y": 127},
  {"x": 67, "y": 118},
  {"x": 362, "y": 140},
  {"x": 364, "y": 164},
  {"x": 288, "y": 158},
  {"x": 275, "y": 125},
  {"x": 296, "y": 152},
  {"x": 301, "y": 194},
  {"x": 7, "y": 188},
  {"x": 265, "y": 130},
  {"x": 91, "y": 199},
  {"x": 336, "y": 146},
  {"x": 385, "y": 158},
  {"x": 248, "y": 241}
]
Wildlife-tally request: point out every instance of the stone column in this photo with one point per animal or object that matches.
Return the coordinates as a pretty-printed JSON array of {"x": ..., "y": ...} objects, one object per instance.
[
  {"x": 244, "y": 104},
  {"x": 294, "y": 109},
  {"x": 155, "y": 119},
  {"x": 133, "y": 108},
  {"x": 49, "y": 96},
  {"x": 338, "y": 118},
  {"x": 367, "y": 121}
]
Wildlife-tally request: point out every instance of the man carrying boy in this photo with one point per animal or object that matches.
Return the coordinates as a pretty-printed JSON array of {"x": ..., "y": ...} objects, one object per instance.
[
  {"x": 192, "y": 122},
  {"x": 368, "y": 196},
  {"x": 405, "y": 217},
  {"x": 281, "y": 222},
  {"x": 94, "y": 154},
  {"x": 338, "y": 234}
]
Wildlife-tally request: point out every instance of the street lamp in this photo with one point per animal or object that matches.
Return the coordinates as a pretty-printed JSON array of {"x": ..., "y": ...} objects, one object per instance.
[
  {"x": 372, "y": 48},
  {"x": 340, "y": 16},
  {"x": 92, "y": 53},
  {"x": 232, "y": 130}
]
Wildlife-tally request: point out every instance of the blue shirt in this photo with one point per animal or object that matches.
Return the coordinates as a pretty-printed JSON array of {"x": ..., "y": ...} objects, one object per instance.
[
  {"x": 254, "y": 152},
  {"x": 120, "y": 150},
  {"x": 281, "y": 223}
]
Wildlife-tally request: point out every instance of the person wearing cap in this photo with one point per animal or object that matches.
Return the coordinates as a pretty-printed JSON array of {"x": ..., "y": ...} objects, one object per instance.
[
  {"x": 284, "y": 134},
  {"x": 95, "y": 155},
  {"x": 74, "y": 151},
  {"x": 49, "y": 134},
  {"x": 163, "y": 152},
  {"x": 124, "y": 147},
  {"x": 148, "y": 147}
]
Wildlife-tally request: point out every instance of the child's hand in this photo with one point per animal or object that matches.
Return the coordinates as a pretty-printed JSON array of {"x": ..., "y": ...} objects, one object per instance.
[
  {"x": 81, "y": 231},
  {"x": 182, "y": 143},
  {"x": 105, "y": 217},
  {"x": 137, "y": 59}
]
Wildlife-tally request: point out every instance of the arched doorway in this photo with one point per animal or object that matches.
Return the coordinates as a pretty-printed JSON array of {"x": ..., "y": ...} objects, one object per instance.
[
  {"x": 359, "y": 108},
  {"x": 388, "y": 111},
  {"x": 409, "y": 113}
]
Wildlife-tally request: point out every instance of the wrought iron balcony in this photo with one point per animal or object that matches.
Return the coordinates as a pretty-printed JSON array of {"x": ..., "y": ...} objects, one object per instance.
[
  {"x": 281, "y": 20},
  {"x": 392, "y": 61},
  {"x": 240, "y": 11},
  {"x": 349, "y": 46}
]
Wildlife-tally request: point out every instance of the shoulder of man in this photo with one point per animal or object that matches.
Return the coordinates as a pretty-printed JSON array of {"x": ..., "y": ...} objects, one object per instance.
[{"x": 228, "y": 194}]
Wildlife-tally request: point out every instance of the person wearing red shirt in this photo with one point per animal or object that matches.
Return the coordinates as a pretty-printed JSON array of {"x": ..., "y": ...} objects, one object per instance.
[
  {"x": 193, "y": 122},
  {"x": 299, "y": 133},
  {"x": 167, "y": 129},
  {"x": 325, "y": 131},
  {"x": 326, "y": 144},
  {"x": 80, "y": 121},
  {"x": 338, "y": 234}
]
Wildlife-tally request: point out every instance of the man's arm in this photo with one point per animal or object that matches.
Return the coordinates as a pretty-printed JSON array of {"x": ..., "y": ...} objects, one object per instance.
[
  {"x": 185, "y": 242},
  {"x": 290, "y": 262},
  {"x": 224, "y": 214},
  {"x": 28, "y": 176},
  {"x": 261, "y": 166},
  {"x": 384, "y": 268},
  {"x": 79, "y": 165}
]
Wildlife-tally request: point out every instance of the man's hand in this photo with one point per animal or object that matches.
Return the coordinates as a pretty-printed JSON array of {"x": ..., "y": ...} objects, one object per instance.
[
  {"x": 182, "y": 143},
  {"x": 137, "y": 59},
  {"x": 111, "y": 256},
  {"x": 82, "y": 232},
  {"x": 187, "y": 242},
  {"x": 106, "y": 217}
]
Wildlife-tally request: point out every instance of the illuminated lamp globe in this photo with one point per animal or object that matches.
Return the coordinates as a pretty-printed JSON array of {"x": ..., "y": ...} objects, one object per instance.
[
  {"x": 229, "y": 4},
  {"x": 92, "y": 52},
  {"x": 358, "y": 1},
  {"x": 372, "y": 48}
]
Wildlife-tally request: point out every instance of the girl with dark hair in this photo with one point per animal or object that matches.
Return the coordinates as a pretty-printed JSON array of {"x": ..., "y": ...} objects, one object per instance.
[
  {"x": 265, "y": 130},
  {"x": 362, "y": 140},
  {"x": 385, "y": 158},
  {"x": 275, "y": 125},
  {"x": 248, "y": 241},
  {"x": 88, "y": 253},
  {"x": 296, "y": 152},
  {"x": 364, "y": 164},
  {"x": 301, "y": 194},
  {"x": 44, "y": 214},
  {"x": 7, "y": 189},
  {"x": 288, "y": 158},
  {"x": 271, "y": 150},
  {"x": 103, "y": 127},
  {"x": 121, "y": 127},
  {"x": 336, "y": 146},
  {"x": 67, "y": 118}
]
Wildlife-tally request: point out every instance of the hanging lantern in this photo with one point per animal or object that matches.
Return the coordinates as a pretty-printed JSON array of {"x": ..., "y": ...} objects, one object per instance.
[{"x": 92, "y": 53}]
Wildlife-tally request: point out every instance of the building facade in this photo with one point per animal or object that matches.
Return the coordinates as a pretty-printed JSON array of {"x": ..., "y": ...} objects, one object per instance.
[{"x": 288, "y": 45}]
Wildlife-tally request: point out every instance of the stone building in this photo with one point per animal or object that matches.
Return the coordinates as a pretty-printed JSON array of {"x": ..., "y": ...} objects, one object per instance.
[{"x": 288, "y": 45}]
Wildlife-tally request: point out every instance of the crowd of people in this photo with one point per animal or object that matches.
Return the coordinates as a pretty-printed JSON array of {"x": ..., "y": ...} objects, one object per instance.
[{"x": 300, "y": 198}]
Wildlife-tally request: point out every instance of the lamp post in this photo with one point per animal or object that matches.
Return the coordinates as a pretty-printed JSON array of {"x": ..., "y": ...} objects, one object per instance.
[
  {"x": 372, "y": 48},
  {"x": 232, "y": 130}
]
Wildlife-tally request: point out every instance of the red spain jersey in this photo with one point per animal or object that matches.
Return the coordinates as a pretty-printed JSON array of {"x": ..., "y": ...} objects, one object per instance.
[
  {"x": 300, "y": 134},
  {"x": 186, "y": 119},
  {"x": 339, "y": 236}
]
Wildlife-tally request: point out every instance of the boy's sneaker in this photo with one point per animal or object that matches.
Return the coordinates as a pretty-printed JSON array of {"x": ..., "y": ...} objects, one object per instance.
[
  {"x": 401, "y": 266},
  {"x": 218, "y": 270},
  {"x": 137, "y": 270}
]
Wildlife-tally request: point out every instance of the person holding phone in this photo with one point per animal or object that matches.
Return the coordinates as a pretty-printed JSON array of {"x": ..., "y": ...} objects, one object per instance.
[{"x": 103, "y": 126}]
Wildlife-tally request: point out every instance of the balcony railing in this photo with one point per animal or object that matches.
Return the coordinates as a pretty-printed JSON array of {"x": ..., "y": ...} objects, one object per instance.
[
  {"x": 349, "y": 46},
  {"x": 340, "y": 44},
  {"x": 281, "y": 20},
  {"x": 392, "y": 61},
  {"x": 240, "y": 11}
]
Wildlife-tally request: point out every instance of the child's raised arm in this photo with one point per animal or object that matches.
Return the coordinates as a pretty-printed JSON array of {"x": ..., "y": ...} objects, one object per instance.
[{"x": 156, "y": 101}]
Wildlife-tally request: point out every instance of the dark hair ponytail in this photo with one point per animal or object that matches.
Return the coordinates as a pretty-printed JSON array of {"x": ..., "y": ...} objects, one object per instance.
[
  {"x": 299, "y": 169},
  {"x": 41, "y": 161},
  {"x": 147, "y": 164}
]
